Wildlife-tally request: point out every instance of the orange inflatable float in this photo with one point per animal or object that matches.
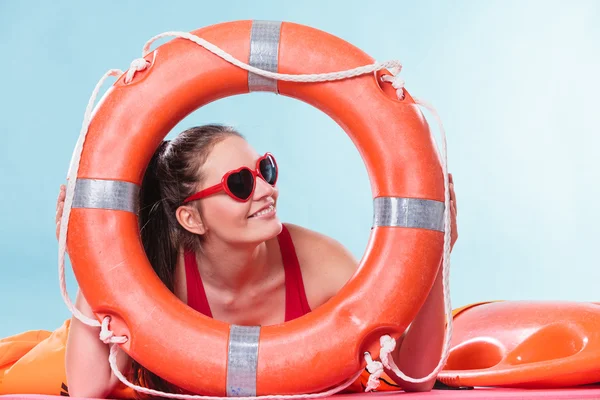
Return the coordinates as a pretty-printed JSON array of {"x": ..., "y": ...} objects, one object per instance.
[
  {"x": 33, "y": 362},
  {"x": 208, "y": 356},
  {"x": 525, "y": 344}
]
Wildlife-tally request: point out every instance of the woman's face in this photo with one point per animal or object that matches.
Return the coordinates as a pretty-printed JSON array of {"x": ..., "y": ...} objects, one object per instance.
[{"x": 231, "y": 220}]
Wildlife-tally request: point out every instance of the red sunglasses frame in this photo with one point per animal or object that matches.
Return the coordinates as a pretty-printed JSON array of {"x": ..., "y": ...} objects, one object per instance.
[{"x": 222, "y": 187}]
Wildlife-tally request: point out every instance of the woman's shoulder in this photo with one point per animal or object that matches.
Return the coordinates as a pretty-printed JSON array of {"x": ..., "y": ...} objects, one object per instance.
[
  {"x": 325, "y": 263},
  {"x": 305, "y": 236}
]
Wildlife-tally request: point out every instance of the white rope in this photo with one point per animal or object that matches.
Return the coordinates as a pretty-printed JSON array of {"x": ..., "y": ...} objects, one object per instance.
[
  {"x": 141, "y": 64},
  {"x": 387, "y": 343},
  {"x": 112, "y": 359},
  {"x": 108, "y": 336},
  {"x": 396, "y": 81},
  {"x": 375, "y": 369},
  {"x": 393, "y": 66},
  {"x": 71, "y": 181}
]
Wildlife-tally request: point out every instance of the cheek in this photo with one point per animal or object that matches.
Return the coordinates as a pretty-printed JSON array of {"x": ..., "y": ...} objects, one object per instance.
[{"x": 225, "y": 212}]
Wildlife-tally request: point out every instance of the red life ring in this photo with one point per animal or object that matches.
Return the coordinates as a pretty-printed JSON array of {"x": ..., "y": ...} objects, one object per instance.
[{"x": 211, "y": 357}]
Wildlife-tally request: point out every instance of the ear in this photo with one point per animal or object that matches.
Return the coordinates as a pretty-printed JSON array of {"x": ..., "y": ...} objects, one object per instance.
[{"x": 189, "y": 217}]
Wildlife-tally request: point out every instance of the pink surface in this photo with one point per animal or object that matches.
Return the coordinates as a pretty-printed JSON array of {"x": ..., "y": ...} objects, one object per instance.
[{"x": 584, "y": 392}]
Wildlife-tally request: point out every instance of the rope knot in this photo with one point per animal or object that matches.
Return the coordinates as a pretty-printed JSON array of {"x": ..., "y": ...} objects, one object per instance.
[
  {"x": 139, "y": 64},
  {"x": 396, "y": 80},
  {"x": 375, "y": 368},
  {"x": 388, "y": 344},
  {"x": 107, "y": 336}
]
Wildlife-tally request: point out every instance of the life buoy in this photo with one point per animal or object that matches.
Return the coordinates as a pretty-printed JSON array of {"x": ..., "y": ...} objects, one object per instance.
[
  {"x": 526, "y": 344},
  {"x": 325, "y": 347}
]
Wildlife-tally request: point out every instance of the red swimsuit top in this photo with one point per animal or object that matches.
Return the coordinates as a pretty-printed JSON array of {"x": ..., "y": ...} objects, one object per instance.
[{"x": 296, "y": 304}]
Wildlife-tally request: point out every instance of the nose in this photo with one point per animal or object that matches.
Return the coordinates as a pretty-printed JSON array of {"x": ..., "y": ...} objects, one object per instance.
[{"x": 263, "y": 189}]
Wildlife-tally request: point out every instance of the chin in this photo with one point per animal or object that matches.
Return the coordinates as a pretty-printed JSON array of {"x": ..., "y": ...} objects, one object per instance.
[{"x": 261, "y": 230}]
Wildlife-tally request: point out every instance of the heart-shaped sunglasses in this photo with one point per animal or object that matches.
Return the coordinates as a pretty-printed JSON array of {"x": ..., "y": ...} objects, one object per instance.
[{"x": 239, "y": 184}]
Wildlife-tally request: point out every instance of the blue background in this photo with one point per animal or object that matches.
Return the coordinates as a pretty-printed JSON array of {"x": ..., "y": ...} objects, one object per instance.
[{"x": 516, "y": 84}]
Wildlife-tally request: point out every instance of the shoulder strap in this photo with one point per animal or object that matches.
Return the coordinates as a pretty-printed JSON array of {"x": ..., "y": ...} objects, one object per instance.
[
  {"x": 296, "y": 303},
  {"x": 196, "y": 295}
]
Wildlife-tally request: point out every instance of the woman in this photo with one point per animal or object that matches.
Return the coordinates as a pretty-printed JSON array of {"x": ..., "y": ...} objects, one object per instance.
[{"x": 209, "y": 227}]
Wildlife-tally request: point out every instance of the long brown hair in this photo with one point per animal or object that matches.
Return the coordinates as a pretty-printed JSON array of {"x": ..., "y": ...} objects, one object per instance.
[{"x": 172, "y": 175}]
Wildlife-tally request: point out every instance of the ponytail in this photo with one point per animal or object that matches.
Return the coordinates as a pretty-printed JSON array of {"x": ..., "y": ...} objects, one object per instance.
[
  {"x": 154, "y": 221},
  {"x": 160, "y": 248}
]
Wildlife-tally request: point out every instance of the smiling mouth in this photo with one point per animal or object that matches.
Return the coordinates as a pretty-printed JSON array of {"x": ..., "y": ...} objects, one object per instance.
[{"x": 266, "y": 211}]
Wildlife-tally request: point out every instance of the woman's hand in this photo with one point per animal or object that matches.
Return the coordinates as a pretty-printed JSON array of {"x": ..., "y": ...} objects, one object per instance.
[
  {"x": 60, "y": 205},
  {"x": 454, "y": 234}
]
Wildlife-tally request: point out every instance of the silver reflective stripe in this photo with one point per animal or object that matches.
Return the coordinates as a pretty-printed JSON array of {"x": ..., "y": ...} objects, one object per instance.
[
  {"x": 242, "y": 360},
  {"x": 105, "y": 194},
  {"x": 264, "y": 54},
  {"x": 409, "y": 213}
]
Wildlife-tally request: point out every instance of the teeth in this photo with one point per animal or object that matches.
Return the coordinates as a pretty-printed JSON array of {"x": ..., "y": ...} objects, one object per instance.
[{"x": 263, "y": 212}]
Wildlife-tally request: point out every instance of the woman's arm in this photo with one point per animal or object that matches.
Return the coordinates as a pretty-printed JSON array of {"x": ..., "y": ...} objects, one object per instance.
[
  {"x": 86, "y": 357},
  {"x": 87, "y": 368},
  {"x": 420, "y": 350}
]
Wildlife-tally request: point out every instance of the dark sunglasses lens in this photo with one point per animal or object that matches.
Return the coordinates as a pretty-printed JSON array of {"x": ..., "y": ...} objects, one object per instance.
[
  {"x": 241, "y": 184},
  {"x": 268, "y": 170}
]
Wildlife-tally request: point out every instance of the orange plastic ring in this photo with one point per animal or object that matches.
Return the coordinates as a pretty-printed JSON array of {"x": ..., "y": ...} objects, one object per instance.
[{"x": 394, "y": 277}]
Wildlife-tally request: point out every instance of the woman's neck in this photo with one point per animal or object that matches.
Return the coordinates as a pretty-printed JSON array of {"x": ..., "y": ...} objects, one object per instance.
[{"x": 234, "y": 268}]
